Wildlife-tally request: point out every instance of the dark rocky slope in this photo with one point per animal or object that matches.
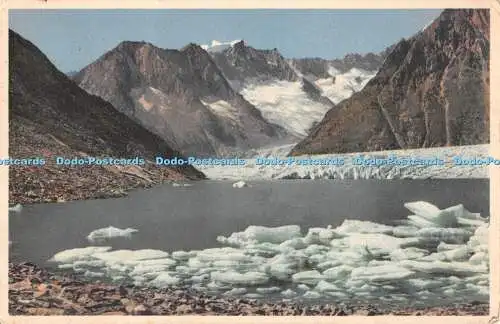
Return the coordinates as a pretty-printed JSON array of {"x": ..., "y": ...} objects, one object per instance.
[
  {"x": 49, "y": 115},
  {"x": 431, "y": 91}
]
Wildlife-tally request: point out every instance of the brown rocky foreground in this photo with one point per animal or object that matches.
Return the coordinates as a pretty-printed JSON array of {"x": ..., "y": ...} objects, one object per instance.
[{"x": 34, "y": 291}]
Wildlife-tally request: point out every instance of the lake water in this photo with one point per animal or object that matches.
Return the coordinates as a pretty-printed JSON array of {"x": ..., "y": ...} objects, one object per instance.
[
  {"x": 186, "y": 218},
  {"x": 190, "y": 218}
]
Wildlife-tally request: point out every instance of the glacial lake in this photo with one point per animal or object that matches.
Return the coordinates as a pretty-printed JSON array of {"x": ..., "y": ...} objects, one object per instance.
[
  {"x": 190, "y": 218},
  {"x": 394, "y": 264}
]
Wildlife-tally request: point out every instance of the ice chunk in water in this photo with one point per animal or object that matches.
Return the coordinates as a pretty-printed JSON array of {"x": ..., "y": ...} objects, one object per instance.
[
  {"x": 288, "y": 293},
  {"x": 143, "y": 268},
  {"x": 235, "y": 278},
  {"x": 226, "y": 253},
  {"x": 254, "y": 234},
  {"x": 408, "y": 254},
  {"x": 93, "y": 274},
  {"x": 420, "y": 222},
  {"x": 281, "y": 271},
  {"x": 303, "y": 287},
  {"x": 422, "y": 284},
  {"x": 479, "y": 258},
  {"x": 328, "y": 264},
  {"x": 338, "y": 272},
  {"x": 381, "y": 273},
  {"x": 200, "y": 278},
  {"x": 423, "y": 209},
  {"x": 17, "y": 208},
  {"x": 235, "y": 292},
  {"x": 459, "y": 254},
  {"x": 307, "y": 277},
  {"x": 175, "y": 184},
  {"x": 375, "y": 243},
  {"x": 165, "y": 279},
  {"x": 311, "y": 295},
  {"x": 323, "y": 286},
  {"x": 460, "y": 211},
  {"x": 240, "y": 184},
  {"x": 405, "y": 231},
  {"x": 183, "y": 255},
  {"x": 480, "y": 236},
  {"x": 447, "y": 247},
  {"x": 267, "y": 290},
  {"x": 131, "y": 255},
  {"x": 69, "y": 256},
  {"x": 295, "y": 243},
  {"x": 89, "y": 263},
  {"x": 103, "y": 234},
  {"x": 316, "y": 249},
  {"x": 317, "y": 235},
  {"x": 267, "y": 249},
  {"x": 447, "y": 268},
  {"x": 443, "y": 218},
  {"x": 350, "y": 226},
  {"x": 446, "y": 235},
  {"x": 470, "y": 222}
]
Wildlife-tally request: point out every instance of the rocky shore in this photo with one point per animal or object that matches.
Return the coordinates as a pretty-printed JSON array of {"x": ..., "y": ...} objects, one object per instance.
[
  {"x": 51, "y": 183},
  {"x": 35, "y": 291}
]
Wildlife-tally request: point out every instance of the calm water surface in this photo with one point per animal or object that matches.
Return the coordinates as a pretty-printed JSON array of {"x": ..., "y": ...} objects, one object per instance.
[{"x": 185, "y": 218}]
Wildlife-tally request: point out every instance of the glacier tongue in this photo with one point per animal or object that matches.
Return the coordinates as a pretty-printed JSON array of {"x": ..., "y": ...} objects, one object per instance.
[
  {"x": 438, "y": 259},
  {"x": 253, "y": 171}
]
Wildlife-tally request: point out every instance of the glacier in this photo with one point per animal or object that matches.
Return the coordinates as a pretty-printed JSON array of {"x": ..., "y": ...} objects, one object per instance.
[
  {"x": 251, "y": 171},
  {"x": 435, "y": 260},
  {"x": 285, "y": 103}
]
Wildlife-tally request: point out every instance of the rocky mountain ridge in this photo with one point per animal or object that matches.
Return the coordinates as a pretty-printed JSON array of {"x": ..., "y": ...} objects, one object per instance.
[
  {"x": 320, "y": 68},
  {"x": 432, "y": 90},
  {"x": 181, "y": 95},
  {"x": 223, "y": 99}
]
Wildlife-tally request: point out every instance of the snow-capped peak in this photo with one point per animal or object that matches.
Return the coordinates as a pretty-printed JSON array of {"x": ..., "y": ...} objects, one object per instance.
[{"x": 218, "y": 46}]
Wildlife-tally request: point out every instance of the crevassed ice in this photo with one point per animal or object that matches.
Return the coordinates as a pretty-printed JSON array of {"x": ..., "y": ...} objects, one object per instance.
[
  {"x": 286, "y": 104},
  {"x": 434, "y": 258},
  {"x": 251, "y": 171}
]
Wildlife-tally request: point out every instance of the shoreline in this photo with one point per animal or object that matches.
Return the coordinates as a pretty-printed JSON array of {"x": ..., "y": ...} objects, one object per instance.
[
  {"x": 52, "y": 185},
  {"x": 36, "y": 291}
]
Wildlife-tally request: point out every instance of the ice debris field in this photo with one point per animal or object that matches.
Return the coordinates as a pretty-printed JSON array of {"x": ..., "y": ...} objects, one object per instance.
[
  {"x": 252, "y": 171},
  {"x": 432, "y": 257}
]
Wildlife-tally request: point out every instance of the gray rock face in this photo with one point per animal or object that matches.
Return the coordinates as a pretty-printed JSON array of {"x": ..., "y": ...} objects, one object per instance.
[
  {"x": 431, "y": 91},
  {"x": 243, "y": 63},
  {"x": 181, "y": 95}
]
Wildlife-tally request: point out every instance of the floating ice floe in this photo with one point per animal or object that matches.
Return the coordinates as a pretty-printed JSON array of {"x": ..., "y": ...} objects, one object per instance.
[
  {"x": 435, "y": 256},
  {"x": 240, "y": 184},
  {"x": 110, "y": 232},
  {"x": 262, "y": 234},
  {"x": 17, "y": 208},
  {"x": 175, "y": 184}
]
